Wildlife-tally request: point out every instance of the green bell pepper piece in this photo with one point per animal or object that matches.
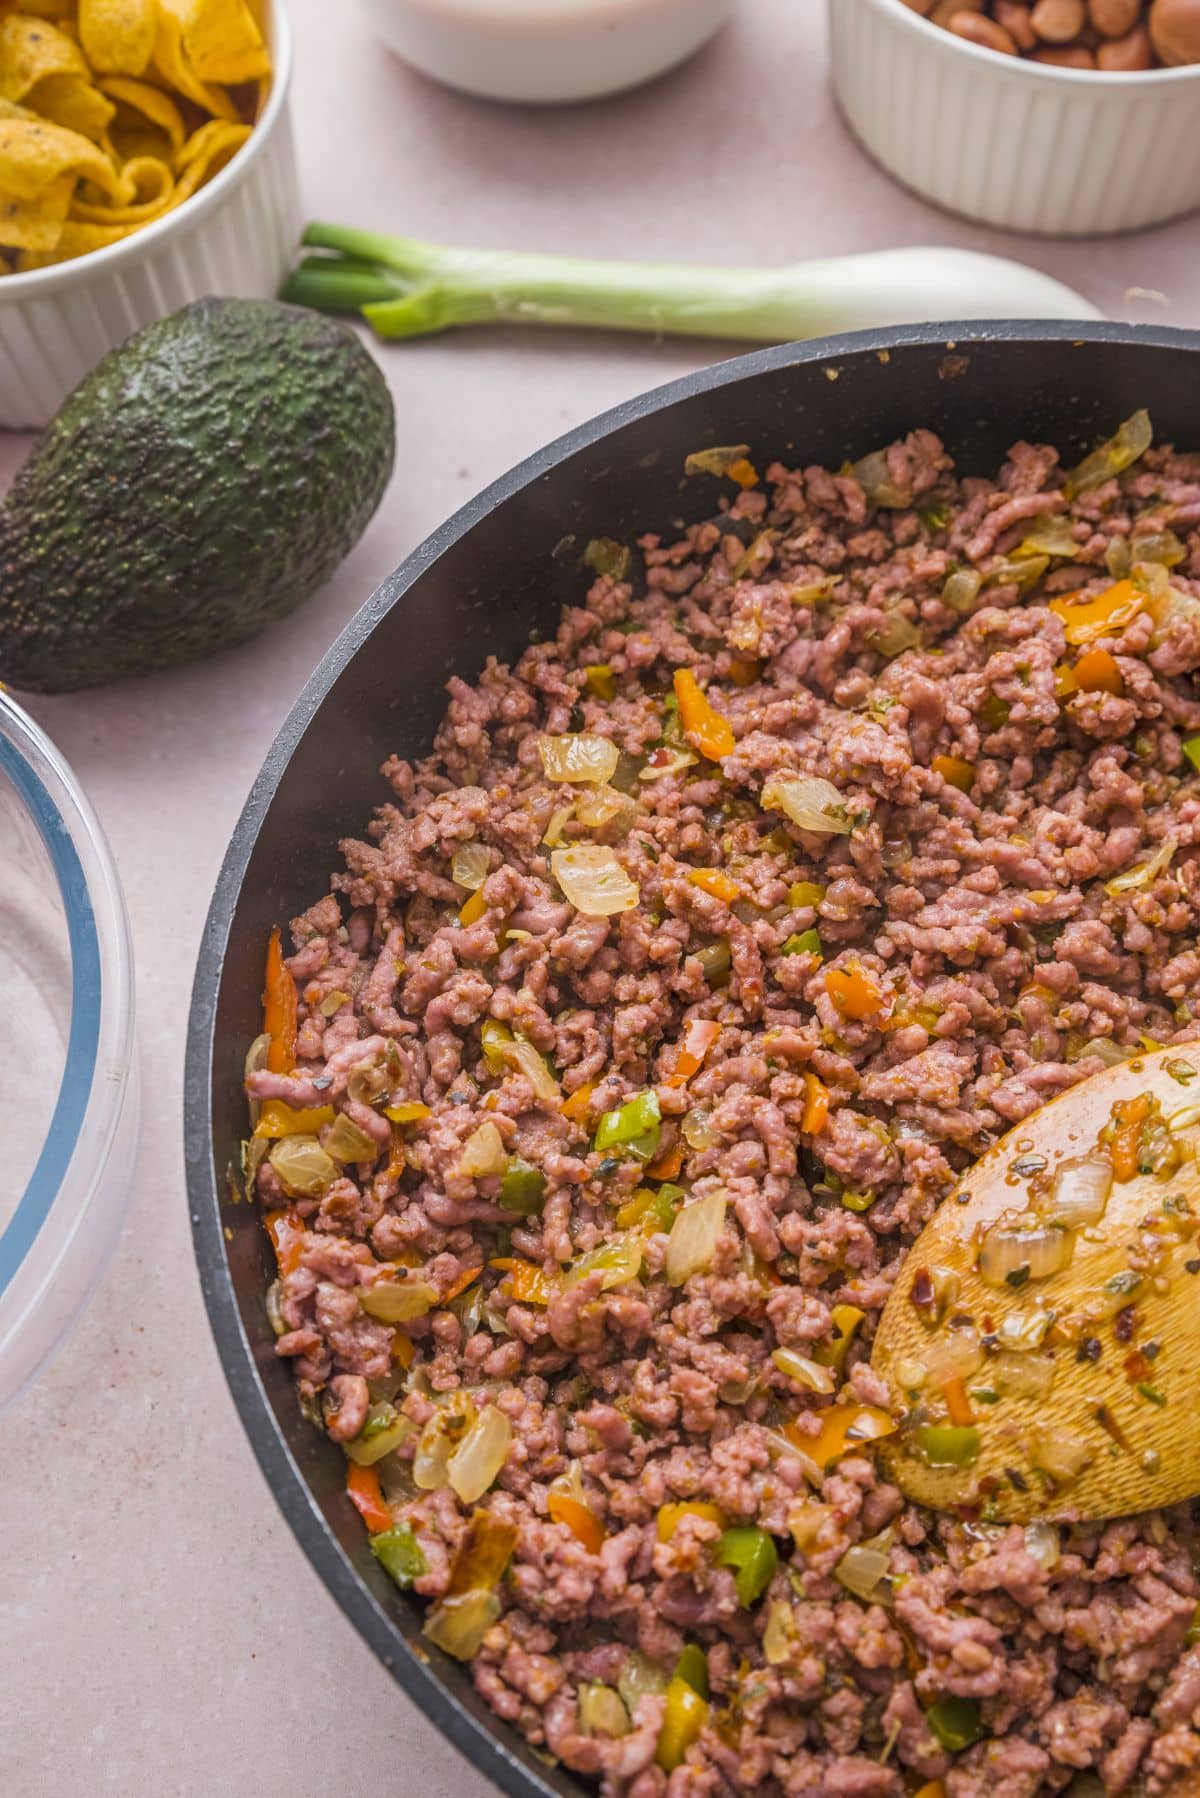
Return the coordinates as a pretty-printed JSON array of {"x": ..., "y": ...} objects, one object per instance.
[
  {"x": 522, "y": 1188},
  {"x": 948, "y": 1444},
  {"x": 753, "y": 1557},
  {"x": 383, "y": 1429},
  {"x": 955, "y": 1722},
  {"x": 635, "y": 1126},
  {"x": 399, "y": 1553},
  {"x": 1191, "y": 748},
  {"x": 804, "y": 942},
  {"x": 692, "y": 1667}
]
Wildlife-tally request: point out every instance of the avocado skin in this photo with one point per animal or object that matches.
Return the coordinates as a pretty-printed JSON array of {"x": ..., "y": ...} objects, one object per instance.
[{"x": 200, "y": 483}]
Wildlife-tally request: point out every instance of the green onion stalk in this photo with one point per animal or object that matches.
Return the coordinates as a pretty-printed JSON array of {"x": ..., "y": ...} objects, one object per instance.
[{"x": 406, "y": 288}]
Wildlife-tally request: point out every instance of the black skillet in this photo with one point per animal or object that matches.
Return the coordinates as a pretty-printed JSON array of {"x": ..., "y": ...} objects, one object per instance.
[{"x": 487, "y": 582}]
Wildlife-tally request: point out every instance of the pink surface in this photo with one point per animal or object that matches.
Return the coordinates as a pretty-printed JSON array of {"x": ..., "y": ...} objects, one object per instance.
[{"x": 159, "y": 1631}]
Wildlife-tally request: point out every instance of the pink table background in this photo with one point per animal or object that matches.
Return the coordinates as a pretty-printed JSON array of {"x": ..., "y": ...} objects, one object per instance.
[{"x": 159, "y": 1631}]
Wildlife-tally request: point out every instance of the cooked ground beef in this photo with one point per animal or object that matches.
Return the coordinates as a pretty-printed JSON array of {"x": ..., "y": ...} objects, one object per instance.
[{"x": 970, "y": 960}]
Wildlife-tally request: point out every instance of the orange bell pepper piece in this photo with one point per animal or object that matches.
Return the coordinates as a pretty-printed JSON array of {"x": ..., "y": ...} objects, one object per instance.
[
  {"x": 468, "y": 1277},
  {"x": 580, "y": 1519},
  {"x": 743, "y": 672},
  {"x": 698, "y": 1039},
  {"x": 743, "y": 472},
  {"x": 933, "y": 1788},
  {"x": 287, "y": 1239},
  {"x": 955, "y": 771},
  {"x": 816, "y": 1104},
  {"x": 669, "y": 1163},
  {"x": 1128, "y": 1116},
  {"x": 279, "y": 1009},
  {"x": 704, "y": 728},
  {"x": 957, "y": 1403},
  {"x": 711, "y": 880},
  {"x": 853, "y": 992},
  {"x": 366, "y": 1495},
  {"x": 472, "y": 909},
  {"x": 577, "y": 1105},
  {"x": 277, "y": 1119},
  {"x": 670, "y": 1516},
  {"x": 527, "y": 1283},
  {"x": 1096, "y": 672},
  {"x": 843, "y": 1427},
  {"x": 403, "y": 1352},
  {"x": 1099, "y": 614}
]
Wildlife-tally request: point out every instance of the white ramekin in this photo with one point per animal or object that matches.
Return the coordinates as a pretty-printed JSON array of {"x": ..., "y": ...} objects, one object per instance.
[
  {"x": 546, "y": 51},
  {"x": 1012, "y": 142},
  {"x": 235, "y": 237}
]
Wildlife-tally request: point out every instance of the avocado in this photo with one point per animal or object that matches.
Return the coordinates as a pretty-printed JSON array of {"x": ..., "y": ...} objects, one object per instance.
[{"x": 196, "y": 486}]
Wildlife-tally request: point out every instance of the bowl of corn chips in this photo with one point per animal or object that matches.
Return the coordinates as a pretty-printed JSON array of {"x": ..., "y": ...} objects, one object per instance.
[{"x": 146, "y": 161}]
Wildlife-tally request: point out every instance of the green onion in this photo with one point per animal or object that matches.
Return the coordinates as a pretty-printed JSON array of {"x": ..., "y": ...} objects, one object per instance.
[
  {"x": 407, "y": 288},
  {"x": 955, "y": 1722},
  {"x": 752, "y": 1555},
  {"x": 804, "y": 942},
  {"x": 522, "y": 1188},
  {"x": 635, "y": 1126},
  {"x": 1151, "y": 1393},
  {"x": 399, "y": 1553}
]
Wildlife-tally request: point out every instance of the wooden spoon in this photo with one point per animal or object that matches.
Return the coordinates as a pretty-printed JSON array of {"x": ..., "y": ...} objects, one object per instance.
[{"x": 1043, "y": 1338}]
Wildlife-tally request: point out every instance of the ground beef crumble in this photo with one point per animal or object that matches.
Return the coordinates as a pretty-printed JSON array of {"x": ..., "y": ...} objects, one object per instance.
[{"x": 989, "y": 799}]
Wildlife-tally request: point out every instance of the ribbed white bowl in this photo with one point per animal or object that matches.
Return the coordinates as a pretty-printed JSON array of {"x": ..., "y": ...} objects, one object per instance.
[
  {"x": 236, "y": 237},
  {"x": 1012, "y": 142}
]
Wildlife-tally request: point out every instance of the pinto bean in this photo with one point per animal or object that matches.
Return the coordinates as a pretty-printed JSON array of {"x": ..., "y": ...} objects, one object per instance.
[
  {"x": 1114, "y": 18},
  {"x": 1058, "y": 21},
  {"x": 1126, "y": 55},
  {"x": 1175, "y": 31},
  {"x": 977, "y": 28},
  {"x": 1013, "y": 15}
]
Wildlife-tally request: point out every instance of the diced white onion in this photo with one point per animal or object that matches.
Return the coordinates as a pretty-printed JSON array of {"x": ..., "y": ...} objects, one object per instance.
[
  {"x": 779, "y": 1637},
  {"x": 860, "y": 1570},
  {"x": 1080, "y": 1191},
  {"x": 1060, "y": 1454},
  {"x": 1024, "y": 1330},
  {"x": 1008, "y": 1247},
  {"x": 667, "y": 760},
  {"x": 581, "y": 756},
  {"x": 1042, "y": 1542},
  {"x": 560, "y": 817},
  {"x": 810, "y": 802},
  {"x": 954, "y": 1354},
  {"x": 694, "y": 1236},
  {"x": 483, "y": 1153},
  {"x": 522, "y": 1055},
  {"x": 593, "y": 880},
  {"x": 477, "y": 1460},
  {"x": 397, "y": 1301},
  {"x": 1016, "y": 1375},
  {"x": 437, "y": 1442},
  {"x": 639, "y": 1676},
  {"x": 598, "y": 806},
  {"x": 346, "y": 1142},
  {"x": 1144, "y": 874},
  {"x": 601, "y": 1712},
  {"x": 805, "y": 1372},
  {"x": 304, "y": 1168},
  {"x": 470, "y": 865},
  {"x": 698, "y": 1131}
]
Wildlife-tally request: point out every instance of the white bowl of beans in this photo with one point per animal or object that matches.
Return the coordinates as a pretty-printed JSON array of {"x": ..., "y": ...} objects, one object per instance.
[{"x": 1071, "y": 117}]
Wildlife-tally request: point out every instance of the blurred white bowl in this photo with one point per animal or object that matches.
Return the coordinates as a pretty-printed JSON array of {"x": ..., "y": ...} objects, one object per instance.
[
  {"x": 235, "y": 237},
  {"x": 1013, "y": 142},
  {"x": 546, "y": 51}
]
